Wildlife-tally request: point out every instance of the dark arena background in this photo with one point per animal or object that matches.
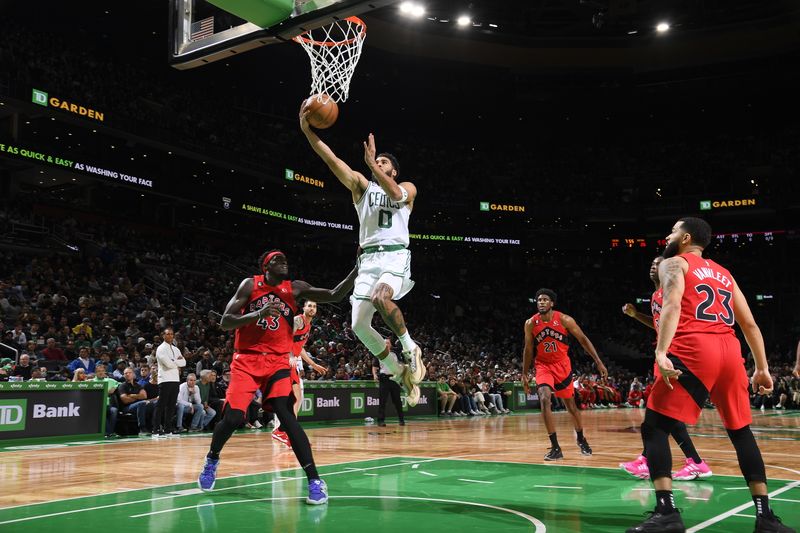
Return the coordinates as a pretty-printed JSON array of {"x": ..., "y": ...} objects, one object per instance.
[{"x": 553, "y": 143}]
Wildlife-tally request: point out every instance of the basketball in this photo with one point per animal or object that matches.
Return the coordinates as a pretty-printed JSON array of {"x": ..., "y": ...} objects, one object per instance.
[{"x": 322, "y": 115}]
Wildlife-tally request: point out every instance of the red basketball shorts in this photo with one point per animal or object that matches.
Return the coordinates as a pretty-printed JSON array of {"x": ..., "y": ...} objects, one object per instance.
[
  {"x": 712, "y": 366},
  {"x": 294, "y": 376},
  {"x": 270, "y": 373},
  {"x": 556, "y": 375}
]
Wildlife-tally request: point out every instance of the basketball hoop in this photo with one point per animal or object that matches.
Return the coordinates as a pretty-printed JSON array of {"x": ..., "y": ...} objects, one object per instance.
[{"x": 334, "y": 51}]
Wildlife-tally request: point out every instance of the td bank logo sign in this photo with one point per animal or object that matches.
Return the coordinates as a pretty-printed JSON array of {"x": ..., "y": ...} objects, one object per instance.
[
  {"x": 12, "y": 415},
  {"x": 307, "y": 406},
  {"x": 423, "y": 400},
  {"x": 359, "y": 401},
  {"x": 43, "y": 99},
  {"x": 521, "y": 398}
]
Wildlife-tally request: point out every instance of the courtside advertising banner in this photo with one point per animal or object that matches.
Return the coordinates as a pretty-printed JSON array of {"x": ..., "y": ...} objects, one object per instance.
[
  {"x": 36, "y": 410},
  {"x": 334, "y": 401}
]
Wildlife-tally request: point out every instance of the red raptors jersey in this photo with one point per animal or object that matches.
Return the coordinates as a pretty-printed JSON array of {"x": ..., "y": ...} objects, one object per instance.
[
  {"x": 301, "y": 336},
  {"x": 707, "y": 303},
  {"x": 269, "y": 335},
  {"x": 656, "y": 302},
  {"x": 550, "y": 339}
]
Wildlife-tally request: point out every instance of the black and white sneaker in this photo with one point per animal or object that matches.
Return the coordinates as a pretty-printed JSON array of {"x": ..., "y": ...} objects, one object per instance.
[
  {"x": 660, "y": 523},
  {"x": 771, "y": 524},
  {"x": 584, "y": 446},
  {"x": 553, "y": 455}
]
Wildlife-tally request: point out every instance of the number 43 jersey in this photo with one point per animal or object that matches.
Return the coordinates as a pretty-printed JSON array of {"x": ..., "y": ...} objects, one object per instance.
[
  {"x": 271, "y": 334},
  {"x": 550, "y": 339},
  {"x": 381, "y": 219}
]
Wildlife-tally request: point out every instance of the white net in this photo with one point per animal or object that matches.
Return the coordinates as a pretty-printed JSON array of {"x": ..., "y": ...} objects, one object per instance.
[{"x": 334, "y": 51}]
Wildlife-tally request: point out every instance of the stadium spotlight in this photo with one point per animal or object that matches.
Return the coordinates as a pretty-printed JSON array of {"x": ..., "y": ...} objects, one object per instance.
[
  {"x": 406, "y": 7},
  {"x": 464, "y": 20},
  {"x": 662, "y": 27},
  {"x": 417, "y": 10}
]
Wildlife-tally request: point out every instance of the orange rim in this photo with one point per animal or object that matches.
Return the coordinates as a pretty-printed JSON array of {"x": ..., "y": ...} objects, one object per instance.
[{"x": 355, "y": 20}]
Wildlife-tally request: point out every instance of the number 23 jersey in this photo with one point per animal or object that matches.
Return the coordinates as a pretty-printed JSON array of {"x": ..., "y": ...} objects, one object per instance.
[
  {"x": 707, "y": 302},
  {"x": 268, "y": 335},
  {"x": 550, "y": 339}
]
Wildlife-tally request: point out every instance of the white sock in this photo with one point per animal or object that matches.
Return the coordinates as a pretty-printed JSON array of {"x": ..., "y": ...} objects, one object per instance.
[
  {"x": 407, "y": 342},
  {"x": 277, "y": 422},
  {"x": 392, "y": 364}
]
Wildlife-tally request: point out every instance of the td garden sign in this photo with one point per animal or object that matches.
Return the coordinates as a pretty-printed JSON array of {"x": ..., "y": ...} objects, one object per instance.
[
  {"x": 489, "y": 206},
  {"x": 708, "y": 205},
  {"x": 43, "y": 99}
]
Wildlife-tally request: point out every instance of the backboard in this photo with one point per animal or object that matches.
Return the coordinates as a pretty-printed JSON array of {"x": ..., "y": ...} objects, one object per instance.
[{"x": 202, "y": 32}]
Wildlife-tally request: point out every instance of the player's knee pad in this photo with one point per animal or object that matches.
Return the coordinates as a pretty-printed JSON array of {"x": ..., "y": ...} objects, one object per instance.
[{"x": 750, "y": 460}]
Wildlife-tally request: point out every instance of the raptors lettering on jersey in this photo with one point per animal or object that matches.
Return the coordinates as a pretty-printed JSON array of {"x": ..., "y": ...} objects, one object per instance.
[
  {"x": 550, "y": 339},
  {"x": 272, "y": 335}
]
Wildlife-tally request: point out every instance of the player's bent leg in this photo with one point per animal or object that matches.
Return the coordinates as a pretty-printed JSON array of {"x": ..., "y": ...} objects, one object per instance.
[
  {"x": 545, "y": 400},
  {"x": 694, "y": 467},
  {"x": 317, "y": 490},
  {"x": 230, "y": 422},
  {"x": 381, "y": 298}
]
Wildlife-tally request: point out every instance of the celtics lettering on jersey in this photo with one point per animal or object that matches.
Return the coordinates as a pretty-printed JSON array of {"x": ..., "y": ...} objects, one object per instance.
[{"x": 381, "y": 219}]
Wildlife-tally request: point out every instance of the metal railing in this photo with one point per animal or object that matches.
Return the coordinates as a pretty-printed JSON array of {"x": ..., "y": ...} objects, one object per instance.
[{"x": 16, "y": 352}]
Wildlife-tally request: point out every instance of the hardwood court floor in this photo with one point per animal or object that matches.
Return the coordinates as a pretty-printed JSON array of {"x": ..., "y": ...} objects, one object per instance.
[{"x": 476, "y": 474}]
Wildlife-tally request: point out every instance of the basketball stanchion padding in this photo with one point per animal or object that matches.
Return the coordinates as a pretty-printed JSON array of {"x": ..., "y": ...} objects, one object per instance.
[{"x": 334, "y": 51}]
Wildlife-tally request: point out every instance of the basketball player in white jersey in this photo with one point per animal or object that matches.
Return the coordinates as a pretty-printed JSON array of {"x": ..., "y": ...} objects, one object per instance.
[{"x": 384, "y": 207}]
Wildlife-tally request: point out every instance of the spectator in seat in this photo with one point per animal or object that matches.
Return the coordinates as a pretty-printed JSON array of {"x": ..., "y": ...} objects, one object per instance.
[
  {"x": 113, "y": 407},
  {"x": 134, "y": 399},
  {"x": 79, "y": 375},
  {"x": 212, "y": 403},
  {"x": 84, "y": 328},
  {"x": 23, "y": 369},
  {"x": 189, "y": 400},
  {"x": 447, "y": 396},
  {"x": 83, "y": 361},
  {"x": 53, "y": 352}
]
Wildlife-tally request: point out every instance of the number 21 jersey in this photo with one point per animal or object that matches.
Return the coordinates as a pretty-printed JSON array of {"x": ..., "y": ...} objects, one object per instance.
[
  {"x": 381, "y": 219},
  {"x": 551, "y": 339}
]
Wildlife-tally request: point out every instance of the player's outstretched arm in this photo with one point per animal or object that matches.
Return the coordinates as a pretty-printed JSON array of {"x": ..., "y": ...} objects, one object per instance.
[
  {"x": 403, "y": 192},
  {"x": 762, "y": 381},
  {"x": 630, "y": 310},
  {"x": 797, "y": 363},
  {"x": 311, "y": 363},
  {"x": 353, "y": 180},
  {"x": 232, "y": 317},
  {"x": 303, "y": 289},
  {"x": 575, "y": 330}
]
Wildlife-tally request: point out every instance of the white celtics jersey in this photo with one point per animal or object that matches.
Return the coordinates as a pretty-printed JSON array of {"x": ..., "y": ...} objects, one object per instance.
[{"x": 381, "y": 219}]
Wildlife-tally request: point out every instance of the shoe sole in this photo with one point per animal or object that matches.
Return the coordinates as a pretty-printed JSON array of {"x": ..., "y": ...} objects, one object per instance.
[
  {"x": 199, "y": 486},
  {"x": 704, "y": 475},
  {"x": 637, "y": 476},
  {"x": 421, "y": 370},
  {"x": 411, "y": 389}
]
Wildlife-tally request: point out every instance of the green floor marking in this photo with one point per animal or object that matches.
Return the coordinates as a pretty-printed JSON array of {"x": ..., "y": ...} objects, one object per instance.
[{"x": 404, "y": 494}]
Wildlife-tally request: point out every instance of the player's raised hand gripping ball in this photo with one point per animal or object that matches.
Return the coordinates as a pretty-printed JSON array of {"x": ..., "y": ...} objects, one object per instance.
[{"x": 320, "y": 111}]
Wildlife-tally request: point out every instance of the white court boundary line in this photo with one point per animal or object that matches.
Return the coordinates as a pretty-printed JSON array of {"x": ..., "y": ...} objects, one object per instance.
[
  {"x": 734, "y": 512},
  {"x": 540, "y": 527},
  {"x": 122, "y": 504}
]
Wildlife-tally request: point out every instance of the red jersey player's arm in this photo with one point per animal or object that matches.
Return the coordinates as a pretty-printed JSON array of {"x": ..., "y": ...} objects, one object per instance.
[
  {"x": 232, "y": 317},
  {"x": 762, "y": 381},
  {"x": 527, "y": 355},
  {"x": 575, "y": 330},
  {"x": 630, "y": 310},
  {"x": 672, "y": 273},
  {"x": 310, "y": 362},
  {"x": 302, "y": 289},
  {"x": 797, "y": 363}
]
